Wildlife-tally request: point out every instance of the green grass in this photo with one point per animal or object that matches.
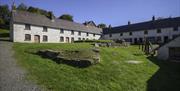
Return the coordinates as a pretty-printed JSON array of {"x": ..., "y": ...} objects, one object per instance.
[
  {"x": 4, "y": 33},
  {"x": 113, "y": 73}
]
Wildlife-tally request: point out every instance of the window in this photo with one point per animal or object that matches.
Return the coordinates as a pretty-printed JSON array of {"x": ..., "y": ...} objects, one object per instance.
[
  {"x": 45, "y": 38},
  {"x": 87, "y": 34},
  {"x": 94, "y": 35},
  {"x": 128, "y": 39},
  {"x": 27, "y": 27},
  {"x": 83, "y": 38},
  {"x": 72, "y": 39},
  {"x": 79, "y": 33},
  {"x": 72, "y": 32},
  {"x": 44, "y": 29},
  {"x": 79, "y": 38},
  {"x": 145, "y": 32},
  {"x": 175, "y": 29},
  {"x": 110, "y": 35},
  {"x": 159, "y": 39},
  {"x": 61, "y": 39},
  {"x": 130, "y": 33},
  {"x": 158, "y": 30},
  {"x": 27, "y": 37},
  {"x": 61, "y": 30},
  {"x": 174, "y": 36},
  {"x": 151, "y": 39},
  {"x": 121, "y": 34}
]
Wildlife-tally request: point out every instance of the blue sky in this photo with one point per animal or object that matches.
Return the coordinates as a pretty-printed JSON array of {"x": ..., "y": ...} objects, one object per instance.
[{"x": 114, "y": 12}]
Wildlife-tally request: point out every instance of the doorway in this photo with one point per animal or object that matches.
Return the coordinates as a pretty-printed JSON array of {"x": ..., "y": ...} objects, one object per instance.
[
  {"x": 166, "y": 39},
  {"x": 67, "y": 39},
  {"x": 36, "y": 38},
  {"x": 135, "y": 40},
  {"x": 140, "y": 40}
]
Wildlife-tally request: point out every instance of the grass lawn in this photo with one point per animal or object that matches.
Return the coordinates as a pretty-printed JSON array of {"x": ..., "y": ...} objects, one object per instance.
[
  {"x": 4, "y": 33},
  {"x": 113, "y": 73}
]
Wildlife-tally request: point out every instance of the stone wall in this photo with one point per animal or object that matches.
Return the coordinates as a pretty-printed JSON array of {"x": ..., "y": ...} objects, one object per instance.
[{"x": 18, "y": 34}]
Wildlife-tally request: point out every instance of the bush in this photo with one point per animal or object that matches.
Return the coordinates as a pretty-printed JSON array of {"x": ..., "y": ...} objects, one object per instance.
[
  {"x": 2, "y": 21},
  {"x": 94, "y": 41}
]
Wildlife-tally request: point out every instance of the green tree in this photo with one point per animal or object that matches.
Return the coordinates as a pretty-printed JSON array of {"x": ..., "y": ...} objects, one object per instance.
[
  {"x": 101, "y": 25},
  {"x": 4, "y": 14},
  {"x": 2, "y": 21},
  {"x": 22, "y": 7},
  {"x": 66, "y": 17},
  {"x": 33, "y": 10},
  {"x": 39, "y": 11}
]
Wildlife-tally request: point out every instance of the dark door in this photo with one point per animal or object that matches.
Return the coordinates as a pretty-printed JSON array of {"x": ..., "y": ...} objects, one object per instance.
[
  {"x": 37, "y": 39},
  {"x": 174, "y": 53},
  {"x": 140, "y": 40},
  {"x": 166, "y": 39},
  {"x": 67, "y": 39},
  {"x": 135, "y": 40}
]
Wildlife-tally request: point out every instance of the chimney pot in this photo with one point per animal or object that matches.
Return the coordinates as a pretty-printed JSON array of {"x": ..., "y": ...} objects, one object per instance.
[
  {"x": 129, "y": 22},
  {"x": 110, "y": 26}
]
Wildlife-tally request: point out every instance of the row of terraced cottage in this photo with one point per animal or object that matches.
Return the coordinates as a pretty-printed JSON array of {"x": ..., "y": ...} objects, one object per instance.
[
  {"x": 29, "y": 27},
  {"x": 34, "y": 28}
]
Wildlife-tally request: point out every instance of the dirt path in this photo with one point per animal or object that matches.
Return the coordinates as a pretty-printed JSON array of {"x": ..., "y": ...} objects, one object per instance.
[{"x": 12, "y": 77}]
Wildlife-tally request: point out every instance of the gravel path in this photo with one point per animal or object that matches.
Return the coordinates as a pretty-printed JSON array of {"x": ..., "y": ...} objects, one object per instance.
[{"x": 12, "y": 77}]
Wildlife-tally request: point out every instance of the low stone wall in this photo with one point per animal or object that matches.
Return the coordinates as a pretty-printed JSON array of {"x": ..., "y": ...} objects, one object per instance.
[{"x": 77, "y": 58}]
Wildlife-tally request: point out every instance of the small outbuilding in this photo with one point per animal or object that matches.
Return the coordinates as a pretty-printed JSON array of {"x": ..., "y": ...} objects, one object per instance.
[{"x": 170, "y": 51}]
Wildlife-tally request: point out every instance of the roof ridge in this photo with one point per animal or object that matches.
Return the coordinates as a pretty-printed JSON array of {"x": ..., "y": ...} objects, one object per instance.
[
  {"x": 42, "y": 20},
  {"x": 55, "y": 18},
  {"x": 171, "y": 18}
]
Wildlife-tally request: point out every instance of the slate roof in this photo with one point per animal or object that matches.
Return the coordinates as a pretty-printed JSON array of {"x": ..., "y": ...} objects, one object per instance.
[
  {"x": 41, "y": 20},
  {"x": 91, "y": 23},
  {"x": 161, "y": 23}
]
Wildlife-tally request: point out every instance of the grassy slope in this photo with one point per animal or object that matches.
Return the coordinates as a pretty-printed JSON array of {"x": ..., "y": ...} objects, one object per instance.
[
  {"x": 112, "y": 74},
  {"x": 4, "y": 33}
]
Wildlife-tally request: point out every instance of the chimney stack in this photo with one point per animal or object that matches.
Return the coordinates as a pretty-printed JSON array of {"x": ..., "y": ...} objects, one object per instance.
[
  {"x": 153, "y": 18},
  {"x": 129, "y": 22},
  {"x": 110, "y": 26}
]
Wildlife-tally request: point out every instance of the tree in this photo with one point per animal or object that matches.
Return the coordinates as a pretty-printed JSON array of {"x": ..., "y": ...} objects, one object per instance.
[
  {"x": 33, "y": 10},
  {"x": 39, "y": 11},
  {"x": 4, "y": 14},
  {"x": 22, "y": 7},
  {"x": 66, "y": 17},
  {"x": 101, "y": 25},
  {"x": 2, "y": 21}
]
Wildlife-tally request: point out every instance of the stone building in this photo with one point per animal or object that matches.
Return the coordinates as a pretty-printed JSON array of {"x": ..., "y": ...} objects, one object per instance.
[
  {"x": 156, "y": 31},
  {"x": 35, "y": 28}
]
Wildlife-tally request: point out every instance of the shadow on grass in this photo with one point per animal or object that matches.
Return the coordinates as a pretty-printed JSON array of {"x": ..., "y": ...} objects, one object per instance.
[
  {"x": 73, "y": 63},
  {"x": 167, "y": 78},
  {"x": 3, "y": 35}
]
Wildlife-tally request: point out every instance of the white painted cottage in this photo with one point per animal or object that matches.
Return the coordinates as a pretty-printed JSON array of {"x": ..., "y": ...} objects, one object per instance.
[
  {"x": 156, "y": 31},
  {"x": 30, "y": 28},
  {"x": 170, "y": 51}
]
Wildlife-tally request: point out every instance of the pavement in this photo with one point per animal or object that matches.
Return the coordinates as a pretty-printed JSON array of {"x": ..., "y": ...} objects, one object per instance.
[{"x": 12, "y": 76}]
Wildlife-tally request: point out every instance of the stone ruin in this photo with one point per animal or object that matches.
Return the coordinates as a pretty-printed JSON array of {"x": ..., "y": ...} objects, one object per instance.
[
  {"x": 116, "y": 43},
  {"x": 76, "y": 58}
]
